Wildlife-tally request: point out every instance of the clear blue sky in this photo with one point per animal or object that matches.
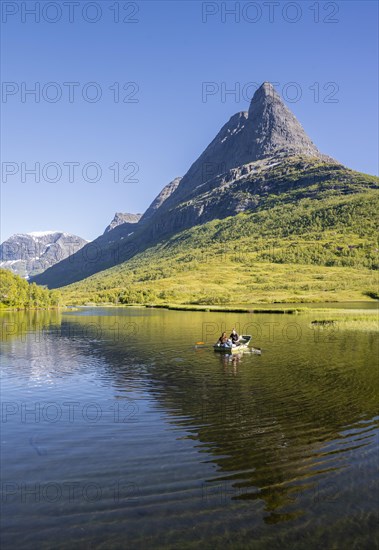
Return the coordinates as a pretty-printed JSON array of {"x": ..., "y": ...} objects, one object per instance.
[{"x": 171, "y": 50}]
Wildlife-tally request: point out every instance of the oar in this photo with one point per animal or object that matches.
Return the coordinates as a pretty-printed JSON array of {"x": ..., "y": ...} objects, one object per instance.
[{"x": 201, "y": 344}]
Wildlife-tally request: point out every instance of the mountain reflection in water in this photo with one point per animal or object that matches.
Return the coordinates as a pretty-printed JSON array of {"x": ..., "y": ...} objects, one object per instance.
[{"x": 244, "y": 450}]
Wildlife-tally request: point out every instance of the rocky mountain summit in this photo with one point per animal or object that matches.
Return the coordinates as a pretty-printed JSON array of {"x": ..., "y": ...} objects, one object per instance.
[
  {"x": 28, "y": 254},
  {"x": 273, "y": 130},
  {"x": 120, "y": 218},
  {"x": 221, "y": 181},
  {"x": 267, "y": 130}
]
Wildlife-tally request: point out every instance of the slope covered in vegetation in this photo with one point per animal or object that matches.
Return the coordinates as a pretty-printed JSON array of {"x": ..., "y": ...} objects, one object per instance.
[{"x": 308, "y": 250}]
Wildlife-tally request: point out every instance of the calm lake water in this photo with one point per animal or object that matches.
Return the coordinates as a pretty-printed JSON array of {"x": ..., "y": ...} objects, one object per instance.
[{"x": 117, "y": 432}]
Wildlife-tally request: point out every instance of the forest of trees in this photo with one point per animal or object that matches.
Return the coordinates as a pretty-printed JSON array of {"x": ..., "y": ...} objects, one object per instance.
[{"x": 16, "y": 292}]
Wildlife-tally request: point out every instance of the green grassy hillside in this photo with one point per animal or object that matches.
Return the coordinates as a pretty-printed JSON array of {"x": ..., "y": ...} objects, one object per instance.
[
  {"x": 268, "y": 188},
  {"x": 309, "y": 250}
]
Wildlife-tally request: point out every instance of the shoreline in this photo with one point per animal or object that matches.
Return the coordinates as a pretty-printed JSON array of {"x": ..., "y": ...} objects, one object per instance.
[
  {"x": 254, "y": 308},
  {"x": 293, "y": 310}
]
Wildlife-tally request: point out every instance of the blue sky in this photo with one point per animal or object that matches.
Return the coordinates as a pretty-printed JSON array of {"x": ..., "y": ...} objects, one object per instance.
[{"x": 322, "y": 55}]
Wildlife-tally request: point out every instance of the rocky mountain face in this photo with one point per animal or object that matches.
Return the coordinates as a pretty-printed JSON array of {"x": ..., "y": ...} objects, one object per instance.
[
  {"x": 120, "y": 218},
  {"x": 272, "y": 129},
  {"x": 255, "y": 154},
  {"x": 166, "y": 192},
  {"x": 29, "y": 254}
]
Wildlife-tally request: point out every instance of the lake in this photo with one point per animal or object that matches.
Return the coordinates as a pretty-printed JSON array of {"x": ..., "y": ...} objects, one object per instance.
[{"x": 119, "y": 432}]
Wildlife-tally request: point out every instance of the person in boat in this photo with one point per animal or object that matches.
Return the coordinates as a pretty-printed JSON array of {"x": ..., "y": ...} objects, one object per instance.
[
  {"x": 224, "y": 340},
  {"x": 234, "y": 336}
]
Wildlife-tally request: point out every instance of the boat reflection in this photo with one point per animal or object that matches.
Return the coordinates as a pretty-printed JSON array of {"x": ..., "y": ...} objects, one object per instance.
[{"x": 230, "y": 362}]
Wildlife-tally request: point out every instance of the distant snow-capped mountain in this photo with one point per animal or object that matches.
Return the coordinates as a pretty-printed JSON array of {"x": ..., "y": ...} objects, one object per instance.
[{"x": 28, "y": 254}]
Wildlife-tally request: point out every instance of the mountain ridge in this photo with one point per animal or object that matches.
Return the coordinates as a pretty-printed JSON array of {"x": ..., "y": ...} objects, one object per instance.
[{"x": 258, "y": 153}]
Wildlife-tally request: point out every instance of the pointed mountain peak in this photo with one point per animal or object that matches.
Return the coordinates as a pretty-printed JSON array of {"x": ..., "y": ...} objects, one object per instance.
[
  {"x": 266, "y": 90},
  {"x": 120, "y": 218},
  {"x": 265, "y": 94},
  {"x": 267, "y": 87},
  {"x": 274, "y": 129},
  {"x": 268, "y": 130}
]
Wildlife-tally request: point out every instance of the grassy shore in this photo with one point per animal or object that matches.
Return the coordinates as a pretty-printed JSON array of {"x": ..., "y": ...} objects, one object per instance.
[
  {"x": 232, "y": 309},
  {"x": 347, "y": 319}
]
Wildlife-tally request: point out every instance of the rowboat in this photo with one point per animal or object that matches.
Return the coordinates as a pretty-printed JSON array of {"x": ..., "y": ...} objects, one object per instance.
[{"x": 241, "y": 345}]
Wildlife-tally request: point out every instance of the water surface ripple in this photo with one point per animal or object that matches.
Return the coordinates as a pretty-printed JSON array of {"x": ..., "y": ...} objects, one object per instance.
[{"x": 117, "y": 431}]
